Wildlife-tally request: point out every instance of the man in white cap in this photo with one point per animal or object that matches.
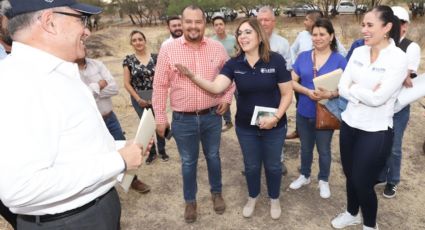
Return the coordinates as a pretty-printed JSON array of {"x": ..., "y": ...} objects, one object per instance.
[
  {"x": 58, "y": 164},
  {"x": 391, "y": 174}
]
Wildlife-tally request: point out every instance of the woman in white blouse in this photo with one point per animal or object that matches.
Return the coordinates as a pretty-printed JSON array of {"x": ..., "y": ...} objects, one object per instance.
[{"x": 371, "y": 81}]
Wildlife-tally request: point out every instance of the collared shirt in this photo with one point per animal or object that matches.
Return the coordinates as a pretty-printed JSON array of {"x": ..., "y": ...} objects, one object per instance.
[
  {"x": 3, "y": 53},
  {"x": 304, "y": 42},
  {"x": 168, "y": 40},
  {"x": 256, "y": 86},
  {"x": 356, "y": 43},
  {"x": 280, "y": 45},
  {"x": 371, "y": 108},
  {"x": 57, "y": 153},
  {"x": 229, "y": 43},
  {"x": 205, "y": 61},
  {"x": 91, "y": 75}
]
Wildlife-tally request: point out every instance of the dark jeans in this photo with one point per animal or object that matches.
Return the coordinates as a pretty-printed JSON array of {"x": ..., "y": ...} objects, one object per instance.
[
  {"x": 160, "y": 141},
  {"x": 103, "y": 215},
  {"x": 309, "y": 137},
  {"x": 262, "y": 147},
  {"x": 363, "y": 156},
  {"x": 8, "y": 215},
  {"x": 114, "y": 126},
  {"x": 189, "y": 131}
]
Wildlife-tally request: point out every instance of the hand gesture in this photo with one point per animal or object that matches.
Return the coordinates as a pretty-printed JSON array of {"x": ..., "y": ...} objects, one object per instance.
[{"x": 184, "y": 71}]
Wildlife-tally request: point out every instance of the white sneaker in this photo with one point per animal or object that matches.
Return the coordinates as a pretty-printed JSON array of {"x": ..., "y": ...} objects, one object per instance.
[
  {"x": 298, "y": 183},
  {"x": 325, "y": 192},
  {"x": 369, "y": 228},
  {"x": 249, "y": 207},
  {"x": 345, "y": 219},
  {"x": 275, "y": 210}
]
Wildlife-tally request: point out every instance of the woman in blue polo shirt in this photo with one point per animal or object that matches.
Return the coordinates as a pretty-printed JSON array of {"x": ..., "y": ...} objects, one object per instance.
[
  {"x": 261, "y": 79},
  {"x": 322, "y": 59}
]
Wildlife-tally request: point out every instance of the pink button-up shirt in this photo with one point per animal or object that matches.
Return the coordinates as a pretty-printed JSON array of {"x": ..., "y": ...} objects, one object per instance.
[{"x": 205, "y": 61}]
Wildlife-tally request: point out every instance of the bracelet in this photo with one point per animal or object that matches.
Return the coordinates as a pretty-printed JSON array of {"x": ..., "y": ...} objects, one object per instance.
[{"x": 278, "y": 118}]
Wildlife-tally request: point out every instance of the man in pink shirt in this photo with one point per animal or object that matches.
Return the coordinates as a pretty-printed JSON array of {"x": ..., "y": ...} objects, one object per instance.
[{"x": 196, "y": 113}]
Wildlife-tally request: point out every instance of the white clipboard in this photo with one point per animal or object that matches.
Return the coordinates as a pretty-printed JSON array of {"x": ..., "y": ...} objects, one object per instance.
[
  {"x": 328, "y": 81},
  {"x": 144, "y": 134}
]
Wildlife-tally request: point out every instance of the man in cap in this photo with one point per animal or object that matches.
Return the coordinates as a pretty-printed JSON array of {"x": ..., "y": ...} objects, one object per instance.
[
  {"x": 58, "y": 164},
  {"x": 391, "y": 173}
]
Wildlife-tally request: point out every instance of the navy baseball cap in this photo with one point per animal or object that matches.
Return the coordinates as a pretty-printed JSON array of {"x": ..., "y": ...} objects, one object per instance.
[{"x": 26, "y": 6}]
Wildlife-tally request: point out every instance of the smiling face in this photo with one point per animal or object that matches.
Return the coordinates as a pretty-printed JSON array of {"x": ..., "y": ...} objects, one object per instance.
[
  {"x": 72, "y": 34},
  {"x": 193, "y": 25},
  {"x": 321, "y": 38},
  {"x": 373, "y": 29},
  {"x": 138, "y": 41},
  {"x": 248, "y": 38},
  {"x": 175, "y": 27}
]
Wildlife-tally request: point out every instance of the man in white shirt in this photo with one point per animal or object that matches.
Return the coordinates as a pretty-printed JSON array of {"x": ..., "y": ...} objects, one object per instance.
[
  {"x": 58, "y": 164},
  {"x": 278, "y": 43},
  {"x": 103, "y": 87},
  {"x": 391, "y": 173},
  {"x": 174, "y": 24}
]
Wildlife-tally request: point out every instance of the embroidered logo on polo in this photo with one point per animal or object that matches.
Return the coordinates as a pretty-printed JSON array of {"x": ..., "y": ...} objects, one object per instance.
[
  {"x": 49, "y": 1},
  {"x": 268, "y": 70},
  {"x": 357, "y": 63},
  {"x": 379, "y": 70},
  {"x": 239, "y": 72}
]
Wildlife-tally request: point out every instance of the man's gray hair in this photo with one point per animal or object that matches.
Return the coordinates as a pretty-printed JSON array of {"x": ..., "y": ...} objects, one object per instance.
[{"x": 266, "y": 9}]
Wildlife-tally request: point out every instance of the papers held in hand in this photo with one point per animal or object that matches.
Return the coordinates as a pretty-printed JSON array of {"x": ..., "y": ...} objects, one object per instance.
[
  {"x": 328, "y": 81},
  {"x": 261, "y": 111},
  {"x": 409, "y": 95},
  {"x": 144, "y": 134}
]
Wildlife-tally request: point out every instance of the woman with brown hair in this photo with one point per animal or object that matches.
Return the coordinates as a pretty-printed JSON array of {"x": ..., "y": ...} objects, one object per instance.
[{"x": 261, "y": 79}]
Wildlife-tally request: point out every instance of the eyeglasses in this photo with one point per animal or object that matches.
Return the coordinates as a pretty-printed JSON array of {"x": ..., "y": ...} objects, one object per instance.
[
  {"x": 240, "y": 32},
  {"x": 84, "y": 18}
]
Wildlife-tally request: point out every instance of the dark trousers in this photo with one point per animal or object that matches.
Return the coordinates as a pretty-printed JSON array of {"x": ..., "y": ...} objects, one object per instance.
[
  {"x": 105, "y": 214},
  {"x": 363, "y": 156},
  {"x": 8, "y": 215}
]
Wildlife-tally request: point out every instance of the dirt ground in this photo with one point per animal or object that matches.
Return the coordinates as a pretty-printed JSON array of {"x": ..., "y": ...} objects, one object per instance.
[{"x": 163, "y": 207}]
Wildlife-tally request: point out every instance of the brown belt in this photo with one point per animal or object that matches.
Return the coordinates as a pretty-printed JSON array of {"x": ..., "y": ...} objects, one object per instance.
[{"x": 199, "y": 112}]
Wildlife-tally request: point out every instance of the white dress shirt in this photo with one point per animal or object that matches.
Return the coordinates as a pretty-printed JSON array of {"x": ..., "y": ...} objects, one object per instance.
[
  {"x": 304, "y": 42},
  {"x": 280, "y": 45},
  {"x": 413, "y": 52},
  {"x": 371, "y": 107},
  {"x": 57, "y": 153},
  {"x": 93, "y": 72}
]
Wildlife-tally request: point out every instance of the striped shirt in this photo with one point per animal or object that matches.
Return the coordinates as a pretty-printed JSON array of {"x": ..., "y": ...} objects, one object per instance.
[{"x": 204, "y": 61}]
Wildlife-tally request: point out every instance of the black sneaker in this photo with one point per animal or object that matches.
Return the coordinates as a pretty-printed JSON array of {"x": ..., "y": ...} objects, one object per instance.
[
  {"x": 390, "y": 190},
  {"x": 164, "y": 156},
  {"x": 151, "y": 158}
]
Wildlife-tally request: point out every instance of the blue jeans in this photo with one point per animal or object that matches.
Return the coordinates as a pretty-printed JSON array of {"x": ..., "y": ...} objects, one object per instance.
[
  {"x": 310, "y": 136},
  {"x": 160, "y": 141},
  {"x": 391, "y": 172},
  {"x": 114, "y": 126},
  {"x": 188, "y": 131},
  {"x": 262, "y": 147}
]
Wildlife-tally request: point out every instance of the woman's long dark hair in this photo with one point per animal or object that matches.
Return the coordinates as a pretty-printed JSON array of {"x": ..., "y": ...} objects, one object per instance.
[{"x": 386, "y": 15}]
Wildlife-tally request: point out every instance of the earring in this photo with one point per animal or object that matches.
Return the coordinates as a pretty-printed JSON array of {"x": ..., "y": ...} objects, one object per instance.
[{"x": 385, "y": 36}]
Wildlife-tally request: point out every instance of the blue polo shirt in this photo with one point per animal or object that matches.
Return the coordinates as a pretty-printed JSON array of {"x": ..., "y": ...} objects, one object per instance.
[
  {"x": 303, "y": 67},
  {"x": 257, "y": 85}
]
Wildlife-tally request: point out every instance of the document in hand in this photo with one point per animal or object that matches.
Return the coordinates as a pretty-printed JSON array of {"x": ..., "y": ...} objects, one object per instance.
[
  {"x": 328, "y": 81},
  {"x": 261, "y": 111},
  {"x": 409, "y": 95},
  {"x": 144, "y": 134}
]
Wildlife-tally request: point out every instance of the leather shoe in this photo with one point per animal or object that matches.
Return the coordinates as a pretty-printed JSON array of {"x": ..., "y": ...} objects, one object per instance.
[
  {"x": 190, "y": 212},
  {"x": 139, "y": 186},
  {"x": 292, "y": 135},
  {"x": 218, "y": 203}
]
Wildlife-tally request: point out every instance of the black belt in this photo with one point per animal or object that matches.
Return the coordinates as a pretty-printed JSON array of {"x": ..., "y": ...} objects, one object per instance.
[
  {"x": 48, "y": 217},
  {"x": 199, "y": 112}
]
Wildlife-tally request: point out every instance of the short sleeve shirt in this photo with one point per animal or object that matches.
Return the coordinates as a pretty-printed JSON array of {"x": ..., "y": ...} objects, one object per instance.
[
  {"x": 141, "y": 75},
  {"x": 303, "y": 67},
  {"x": 256, "y": 86}
]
